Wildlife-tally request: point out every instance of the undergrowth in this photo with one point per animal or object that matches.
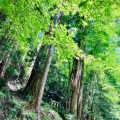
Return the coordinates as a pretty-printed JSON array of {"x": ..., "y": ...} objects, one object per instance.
[{"x": 13, "y": 107}]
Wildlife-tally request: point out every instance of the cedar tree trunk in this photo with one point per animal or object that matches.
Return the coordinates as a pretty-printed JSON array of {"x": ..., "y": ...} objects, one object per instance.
[{"x": 74, "y": 98}]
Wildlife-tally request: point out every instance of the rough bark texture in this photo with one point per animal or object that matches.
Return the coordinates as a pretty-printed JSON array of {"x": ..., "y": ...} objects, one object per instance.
[
  {"x": 43, "y": 79},
  {"x": 76, "y": 79},
  {"x": 32, "y": 89},
  {"x": 80, "y": 96},
  {"x": 74, "y": 98}
]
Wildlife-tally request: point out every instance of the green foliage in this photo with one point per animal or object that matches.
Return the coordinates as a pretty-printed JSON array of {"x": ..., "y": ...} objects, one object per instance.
[
  {"x": 2, "y": 95},
  {"x": 46, "y": 106},
  {"x": 13, "y": 108},
  {"x": 30, "y": 115},
  {"x": 70, "y": 117},
  {"x": 89, "y": 31},
  {"x": 15, "y": 103},
  {"x": 47, "y": 113},
  {"x": 29, "y": 98},
  {"x": 13, "y": 113},
  {"x": 11, "y": 70}
]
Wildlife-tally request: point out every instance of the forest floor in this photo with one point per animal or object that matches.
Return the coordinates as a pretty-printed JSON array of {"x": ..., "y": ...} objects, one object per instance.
[{"x": 13, "y": 107}]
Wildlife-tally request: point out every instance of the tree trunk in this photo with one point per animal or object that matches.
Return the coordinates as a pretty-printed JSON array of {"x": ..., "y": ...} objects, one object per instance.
[
  {"x": 69, "y": 89},
  {"x": 43, "y": 79},
  {"x": 33, "y": 62},
  {"x": 4, "y": 66},
  {"x": 32, "y": 86},
  {"x": 74, "y": 98},
  {"x": 85, "y": 101},
  {"x": 1, "y": 67},
  {"x": 80, "y": 96},
  {"x": 91, "y": 94}
]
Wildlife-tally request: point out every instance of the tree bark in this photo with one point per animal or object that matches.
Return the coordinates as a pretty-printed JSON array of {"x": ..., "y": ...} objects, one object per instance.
[
  {"x": 80, "y": 96},
  {"x": 33, "y": 62},
  {"x": 91, "y": 94},
  {"x": 74, "y": 98},
  {"x": 69, "y": 89},
  {"x": 1, "y": 67},
  {"x": 33, "y": 81},
  {"x": 4, "y": 66},
  {"x": 43, "y": 79}
]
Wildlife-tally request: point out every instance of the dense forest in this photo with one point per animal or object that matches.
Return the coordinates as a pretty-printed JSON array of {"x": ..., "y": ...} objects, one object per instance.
[{"x": 59, "y": 59}]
